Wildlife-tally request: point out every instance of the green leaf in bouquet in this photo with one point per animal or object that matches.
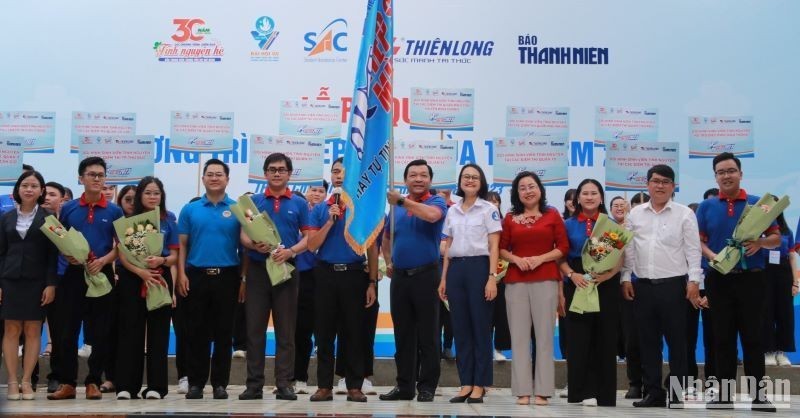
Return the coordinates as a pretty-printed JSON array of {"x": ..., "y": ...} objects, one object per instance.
[
  {"x": 69, "y": 242},
  {"x": 278, "y": 272},
  {"x": 257, "y": 226},
  {"x": 140, "y": 237},
  {"x": 586, "y": 299},
  {"x": 157, "y": 297},
  {"x": 98, "y": 285}
]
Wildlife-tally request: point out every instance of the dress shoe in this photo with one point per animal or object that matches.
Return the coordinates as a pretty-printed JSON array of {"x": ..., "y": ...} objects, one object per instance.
[
  {"x": 250, "y": 394},
  {"x": 447, "y": 354},
  {"x": 651, "y": 402},
  {"x": 220, "y": 393},
  {"x": 763, "y": 406},
  {"x": 286, "y": 394},
  {"x": 476, "y": 400},
  {"x": 52, "y": 386},
  {"x": 107, "y": 387},
  {"x": 93, "y": 392},
  {"x": 425, "y": 396},
  {"x": 13, "y": 396},
  {"x": 356, "y": 395},
  {"x": 195, "y": 392},
  {"x": 63, "y": 392},
  {"x": 322, "y": 395},
  {"x": 396, "y": 395},
  {"x": 634, "y": 392},
  {"x": 718, "y": 404},
  {"x": 460, "y": 398}
]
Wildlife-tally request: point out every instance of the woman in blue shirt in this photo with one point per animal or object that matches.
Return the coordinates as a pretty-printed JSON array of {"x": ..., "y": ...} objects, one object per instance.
[{"x": 778, "y": 334}]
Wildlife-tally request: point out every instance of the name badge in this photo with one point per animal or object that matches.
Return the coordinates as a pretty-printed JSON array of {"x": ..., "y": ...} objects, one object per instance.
[{"x": 774, "y": 257}]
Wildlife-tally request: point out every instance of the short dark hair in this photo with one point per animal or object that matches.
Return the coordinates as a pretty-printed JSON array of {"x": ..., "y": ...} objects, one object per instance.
[
  {"x": 711, "y": 192},
  {"x": 662, "y": 170},
  {"x": 415, "y": 163},
  {"x": 68, "y": 191},
  {"x": 578, "y": 208},
  {"x": 138, "y": 207},
  {"x": 217, "y": 161},
  {"x": 339, "y": 160},
  {"x": 276, "y": 158},
  {"x": 23, "y": 176},
  {"x": 27, "y": 167},
  {"x": 640, "y": 197},
  {"x": 611, "y": 203},
  {"x": 516, "y": 204},
  {"x": 483, "y": 190},
  {"x": 693, "y": 206},
  {"x": 56, "y": 186},
  {"x": 123, "y": 192},
  {"x": 91, "y": 161},
  {"x": 300, "y": 194},
  {"x": 726, "y": 156}
]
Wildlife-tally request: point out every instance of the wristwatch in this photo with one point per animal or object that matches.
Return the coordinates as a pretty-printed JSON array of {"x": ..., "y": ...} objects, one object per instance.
[
  {"x": 493, "y": 274},
  {"x": 400, "y": 201}
]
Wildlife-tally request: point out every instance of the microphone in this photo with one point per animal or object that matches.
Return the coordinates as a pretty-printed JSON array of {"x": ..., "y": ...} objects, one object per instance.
[{"x": 337, "y": 193}]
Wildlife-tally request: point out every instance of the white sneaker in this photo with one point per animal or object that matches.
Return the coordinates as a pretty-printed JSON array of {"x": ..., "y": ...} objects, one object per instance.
[
  {"x": 239, "y": 354},
  {"x": 341, "y": 387},
  {"x": 782, "y": 359},
  {"x": 124, "y": 396},
  {"x": 300, "y": 388},
  {"x": 589, "y": 402},
  {"x": 151, "y": 394},
  {"x": 769, "y": 359},
  {"x": 85, "y": 351},
  {"x": 564, "y": 393},
  {"x": 367, "y": 387},
  {"x": 183, "y": 385},
  {"x": 498, "y": 356},
  {"x": 19, "y": 352}
]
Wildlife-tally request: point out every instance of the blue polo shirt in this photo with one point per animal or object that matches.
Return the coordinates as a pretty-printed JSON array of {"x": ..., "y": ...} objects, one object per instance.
[
  {"x": 6, "y": 203},
  {"x": 717, "y": 218},
  {"x": 94, "y": 221},
  {"x": 170, "y": 230},
  {"x": 213, "y": 233},
  {"x": 416, "y": 241},
  {"x": 335, "y": 249},
  {"x": 289, "y": 213}
]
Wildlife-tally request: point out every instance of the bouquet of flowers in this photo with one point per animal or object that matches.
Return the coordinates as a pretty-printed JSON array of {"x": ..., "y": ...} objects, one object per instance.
[
  {"x": 502, "y": 269},
  {"x": 260, "y": 228},
  {"x": 73, "y": 244},
  {"x": 139, "y": 238},
  {"x": 601, "y": 252},
  {"x": 754, "y": 221}
]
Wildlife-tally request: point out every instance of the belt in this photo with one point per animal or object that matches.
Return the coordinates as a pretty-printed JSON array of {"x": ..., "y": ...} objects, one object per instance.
[
  {"x": 342, "y": 267},
  {"x": 417, "y": 270},
  {"x": 644, "y": 280},
  {"x": 212, "y": 271},
  {"x": 740, "y": 271}
]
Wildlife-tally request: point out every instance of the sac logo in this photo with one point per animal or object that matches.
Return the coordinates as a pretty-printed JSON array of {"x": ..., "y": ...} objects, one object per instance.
[{"x": 331, "y": 40}]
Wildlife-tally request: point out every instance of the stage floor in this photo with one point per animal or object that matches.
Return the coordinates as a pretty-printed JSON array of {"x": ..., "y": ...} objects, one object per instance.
[{"x": 498, "y": 402}]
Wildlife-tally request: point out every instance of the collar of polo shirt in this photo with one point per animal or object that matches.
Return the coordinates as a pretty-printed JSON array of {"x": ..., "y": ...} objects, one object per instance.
[
  {"x": 287, "y": 194},
  {"x": 102, "y": 202},
  {"x": 741, "y": 196},
  {"x": 583, "y": 218},
  {"x": 422, "y": 198}
]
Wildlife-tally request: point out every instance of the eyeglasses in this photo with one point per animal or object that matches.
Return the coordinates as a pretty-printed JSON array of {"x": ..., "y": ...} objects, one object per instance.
[
  {"x": 96, "y": 176},
  {"x": 529, "y": 188},
  {"x": 657, "y": 182},
  {"x": 469, "y": 177},
  {"x": 279, "y": 170},
  {"x": 729, "y": 172}
]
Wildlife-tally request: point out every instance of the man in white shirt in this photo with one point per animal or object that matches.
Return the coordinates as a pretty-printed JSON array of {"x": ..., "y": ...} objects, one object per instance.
[{"x": 664, "y": 252}]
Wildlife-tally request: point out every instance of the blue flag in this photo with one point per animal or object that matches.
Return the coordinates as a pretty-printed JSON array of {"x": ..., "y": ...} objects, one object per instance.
[{"x": 366, "y": 156}]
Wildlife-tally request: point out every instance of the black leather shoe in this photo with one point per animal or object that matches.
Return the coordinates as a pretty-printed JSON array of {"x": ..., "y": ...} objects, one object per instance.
[
  {"x": 425, "y": 396},
  {"x": 250, "y": 394},
  {"x": 650, "y": 401},
  {"x": 396, "y": 395},
  {"x": 634, "y": 392},
  {"x": 52, "y": 386},
  {"x": 220, "y": 393},
  {"x": 195, "y": 392},
  {"x": 763, "y": 406},
  {"x": 285, "y": 394},
  {"x": 460, "y": 399}
]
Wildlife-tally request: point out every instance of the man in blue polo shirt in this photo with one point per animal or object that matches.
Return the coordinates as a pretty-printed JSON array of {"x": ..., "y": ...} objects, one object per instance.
[
  {"x": 208, "y": 280},
  {"x": 738, "y": 297},
  {"x": 342, "y": 283},
  {"x": 414, "y": 270},
  {"x": 92, "y": 215},
  {"x": 290, "y": 215}
]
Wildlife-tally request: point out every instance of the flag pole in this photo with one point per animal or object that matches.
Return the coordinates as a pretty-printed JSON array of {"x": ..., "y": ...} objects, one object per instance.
[{"x": 391, "y": 146}]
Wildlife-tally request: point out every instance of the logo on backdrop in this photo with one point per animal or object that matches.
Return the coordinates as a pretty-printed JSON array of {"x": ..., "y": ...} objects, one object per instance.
[
  {"x": 264, "y": 34},
  {"x": 191, "y": 42},
  {"x": 530, "y": 52},
  {"x": 441, "y": 51},
  {"x": 329, "y": 44}
]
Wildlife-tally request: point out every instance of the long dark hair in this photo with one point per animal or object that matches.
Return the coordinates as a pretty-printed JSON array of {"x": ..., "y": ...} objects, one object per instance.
[
  {"x": 483, "y": 190},
  {"x": 516, "y": 204},
  {"x": 568, "y": 196},
  {"x": 495, "y": 196},
  {"x": 578, "y": 208},
  {"x": 123, "y": 192},
  {"x": 138, "y": 207}
]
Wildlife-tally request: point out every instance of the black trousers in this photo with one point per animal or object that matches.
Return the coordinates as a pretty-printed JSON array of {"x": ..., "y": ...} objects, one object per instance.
[
  {"x": 563, "y": 323},
  {"x": 633, "y": 354},
  {"x": 209, "y": 309},
  {"x": 135, "y": 321},
  {"x": 239, "y": 328},
  {"x": 180, "y": 324},
  {"x": 779, "y": 317},
  {"x": 737, "y": 301},
  {"x": 53, "y": 331},
  {"x": 369, "y": 329},
  {"x": 304, "y": 331},
  {"x": 415, "y": 314},
  {"x": 502, "y": 336},
  {"x": 692, "y": 333},
  {"x": 342, "y": 307},
  {"x": 592, "y": 347},
  {"x": 709, "y": 368},
  {"x": 661, "y": 314},
  {"x": 70, "y": 304}
]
